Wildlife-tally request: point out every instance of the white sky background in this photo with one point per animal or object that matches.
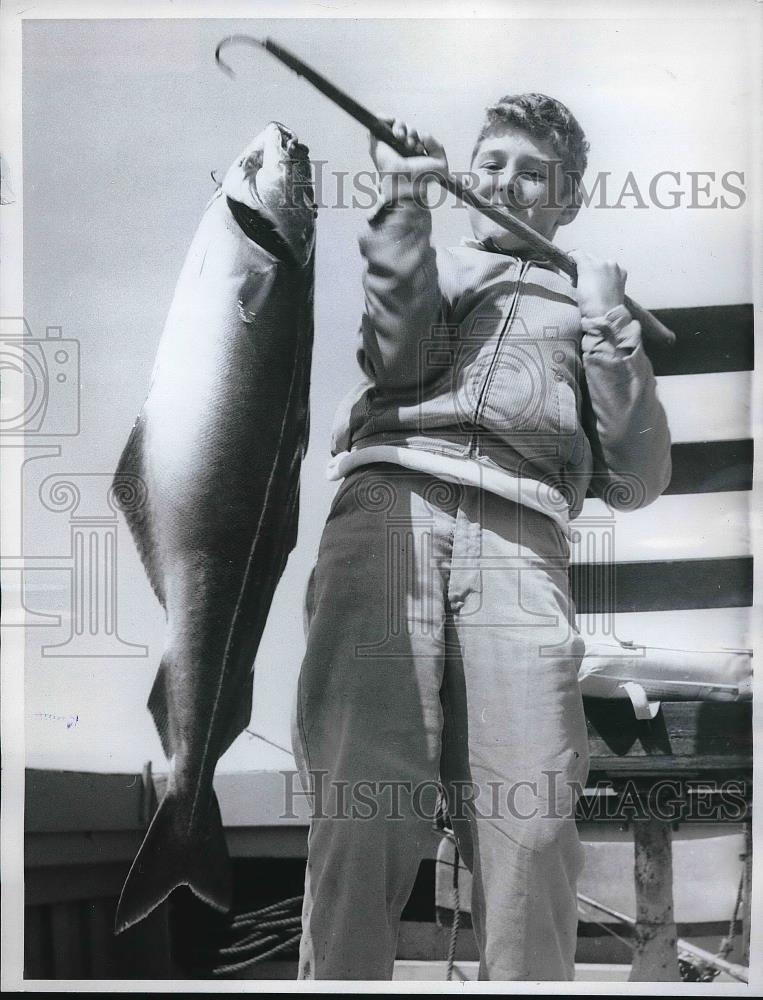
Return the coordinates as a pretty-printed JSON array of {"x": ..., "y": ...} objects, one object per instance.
[{"x": 123, "y": 121}]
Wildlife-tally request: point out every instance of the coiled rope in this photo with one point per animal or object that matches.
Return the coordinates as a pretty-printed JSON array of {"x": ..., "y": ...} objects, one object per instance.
[
  {"x": 456, "y": 916},
  {"x": 260, "y": 934}
]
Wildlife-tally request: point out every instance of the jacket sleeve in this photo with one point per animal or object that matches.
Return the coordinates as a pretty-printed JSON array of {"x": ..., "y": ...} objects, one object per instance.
[
  {"x": 627, "y": 425},
  {"x": 402, "y": 293}
]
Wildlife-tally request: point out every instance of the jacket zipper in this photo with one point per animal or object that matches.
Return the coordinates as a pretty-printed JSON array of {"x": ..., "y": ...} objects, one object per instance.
[{"x": 493, "y": 361}]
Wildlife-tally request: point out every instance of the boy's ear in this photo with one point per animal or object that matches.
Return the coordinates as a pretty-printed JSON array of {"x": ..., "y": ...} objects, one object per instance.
[
  {"x": 571, "y": 199},
  {"x": 566, "y": 187}
]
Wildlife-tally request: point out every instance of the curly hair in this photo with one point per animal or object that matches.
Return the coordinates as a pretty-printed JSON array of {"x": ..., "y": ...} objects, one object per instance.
[{"x": 543, "y": 118}]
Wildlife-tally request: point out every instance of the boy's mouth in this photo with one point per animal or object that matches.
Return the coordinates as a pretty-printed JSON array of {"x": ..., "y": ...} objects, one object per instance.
[{"x": 510, "y": 204}]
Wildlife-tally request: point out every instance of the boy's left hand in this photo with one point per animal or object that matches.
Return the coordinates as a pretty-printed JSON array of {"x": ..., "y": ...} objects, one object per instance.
[{"x": 600, "y": 285}]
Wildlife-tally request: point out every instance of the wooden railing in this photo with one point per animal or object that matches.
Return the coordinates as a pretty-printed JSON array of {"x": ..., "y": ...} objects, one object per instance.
[
  {"x": 702, "y": 376},
  {"x": 693, "y": 762}
]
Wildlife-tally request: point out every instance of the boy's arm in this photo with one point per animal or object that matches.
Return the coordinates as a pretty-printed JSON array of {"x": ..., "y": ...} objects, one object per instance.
[
  {"x": 402, "y": 292},
  {"x": 629, "y": 432}
]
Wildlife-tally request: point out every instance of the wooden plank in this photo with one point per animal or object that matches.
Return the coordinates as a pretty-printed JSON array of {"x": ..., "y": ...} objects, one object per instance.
[
  {"x": 258, "y": 833},
  {"x": 747, "y": 892},
  {"x": 694, "y": 929},
  {"x": 37, "y": 964},
  {"x": 686, "y": 740},
  {"x": 655, "y": 957},
  {"x": 698, "y": 628},
  {"x": 708, "y": 339},
  {"x": 693, "y": 729},
  {"x": 79, "y": 847},
  {"x": 625, "y": 798},
  {"x": 711, "y": 466},
  {"x": 285, "y": 841},
  {"x": 100, "y": 931},
  {"x": 149, "y": 942},
  {"x": 67, "y": 874},
  {"x": 714, "y": 407},
  {"x": 421, "y": 939},
  {"x": 719, "y": 766},
  {"x": 89, "y": 880},
  {"x": 100, "y": 801},
  {"x": 660, "y": 586},
  {"x": 66, "y": 941},
  {"x": 672, "y": 528},
  {"x": 279, "y": 800}
]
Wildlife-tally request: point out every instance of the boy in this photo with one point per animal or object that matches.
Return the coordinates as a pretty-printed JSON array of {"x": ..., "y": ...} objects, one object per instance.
[{"x": 442, "y": 643}]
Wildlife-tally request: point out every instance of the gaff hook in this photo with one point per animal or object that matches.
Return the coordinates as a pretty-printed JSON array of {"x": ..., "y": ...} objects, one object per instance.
[{"x": 236, "y": 39}]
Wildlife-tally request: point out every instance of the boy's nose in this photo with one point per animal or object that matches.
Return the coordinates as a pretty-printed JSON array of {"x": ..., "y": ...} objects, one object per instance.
[{"x": 510, "y": 188}]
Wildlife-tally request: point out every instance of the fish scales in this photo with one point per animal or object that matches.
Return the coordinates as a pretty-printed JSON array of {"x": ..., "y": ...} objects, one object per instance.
[{"x": 217, "y": 449}]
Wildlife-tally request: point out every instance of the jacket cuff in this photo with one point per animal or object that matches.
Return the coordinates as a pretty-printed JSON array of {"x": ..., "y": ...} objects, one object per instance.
[
  {"x": 392, "y": 224},
  {"x": 615, "y": 332},
  {"x": 395, "y": 191}
]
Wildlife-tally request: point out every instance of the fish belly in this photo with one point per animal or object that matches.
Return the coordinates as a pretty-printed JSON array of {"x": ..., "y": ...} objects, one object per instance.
[{"x": 221, "y": 436}]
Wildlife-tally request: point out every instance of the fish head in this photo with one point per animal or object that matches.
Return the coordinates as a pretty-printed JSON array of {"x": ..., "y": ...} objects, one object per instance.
[{"x": 273, "y": 178}]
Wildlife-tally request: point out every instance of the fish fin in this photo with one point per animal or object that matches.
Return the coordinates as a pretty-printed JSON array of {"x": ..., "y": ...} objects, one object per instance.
[
  {"x": 130, "y": 491},
  {"x": 170, "y": 856},
  {"x": 241, "y": 718},
  {"x": 159, "y": 709}
]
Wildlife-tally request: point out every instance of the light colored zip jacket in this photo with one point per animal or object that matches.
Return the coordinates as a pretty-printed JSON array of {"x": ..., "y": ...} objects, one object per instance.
[{"x": 482, "y": 355}]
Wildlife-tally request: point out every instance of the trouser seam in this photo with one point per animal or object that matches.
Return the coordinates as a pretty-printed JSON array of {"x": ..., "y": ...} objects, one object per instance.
[{"x": 301, "y": 724}]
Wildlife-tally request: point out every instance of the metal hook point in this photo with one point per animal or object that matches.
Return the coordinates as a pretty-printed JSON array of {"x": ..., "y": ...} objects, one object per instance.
[{"x": 242, "y": 39}]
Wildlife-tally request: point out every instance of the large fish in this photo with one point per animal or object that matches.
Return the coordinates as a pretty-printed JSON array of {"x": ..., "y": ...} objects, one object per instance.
[{"x": 217, "y": 449}]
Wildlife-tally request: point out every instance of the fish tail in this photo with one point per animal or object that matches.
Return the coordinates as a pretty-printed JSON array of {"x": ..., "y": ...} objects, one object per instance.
[{"x": 172, "y": 855}]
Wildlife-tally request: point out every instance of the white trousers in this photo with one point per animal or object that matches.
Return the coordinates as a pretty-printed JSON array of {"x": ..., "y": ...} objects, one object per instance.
[{"x": 441, "y": 649}]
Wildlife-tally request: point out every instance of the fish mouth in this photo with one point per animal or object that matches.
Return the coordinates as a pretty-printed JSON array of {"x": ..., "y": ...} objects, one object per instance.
[
  {"x": 290, "y": 144},
  {"x": 272, "y": 180},
  {"x": 275, "y": 144}
]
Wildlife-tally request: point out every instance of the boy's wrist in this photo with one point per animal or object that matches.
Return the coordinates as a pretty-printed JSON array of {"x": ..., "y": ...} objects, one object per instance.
[
  {"x": 397, "y": 196},
  {"x": 615, "y": 318},
  {"x": 401, "y": 213},
  {"x": 395, "y": 188},
  {"x": 601, "y": 307}
]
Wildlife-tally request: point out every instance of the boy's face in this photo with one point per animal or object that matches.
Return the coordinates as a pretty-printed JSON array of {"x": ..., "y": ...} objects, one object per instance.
[{"x": 522, "y": 174}]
